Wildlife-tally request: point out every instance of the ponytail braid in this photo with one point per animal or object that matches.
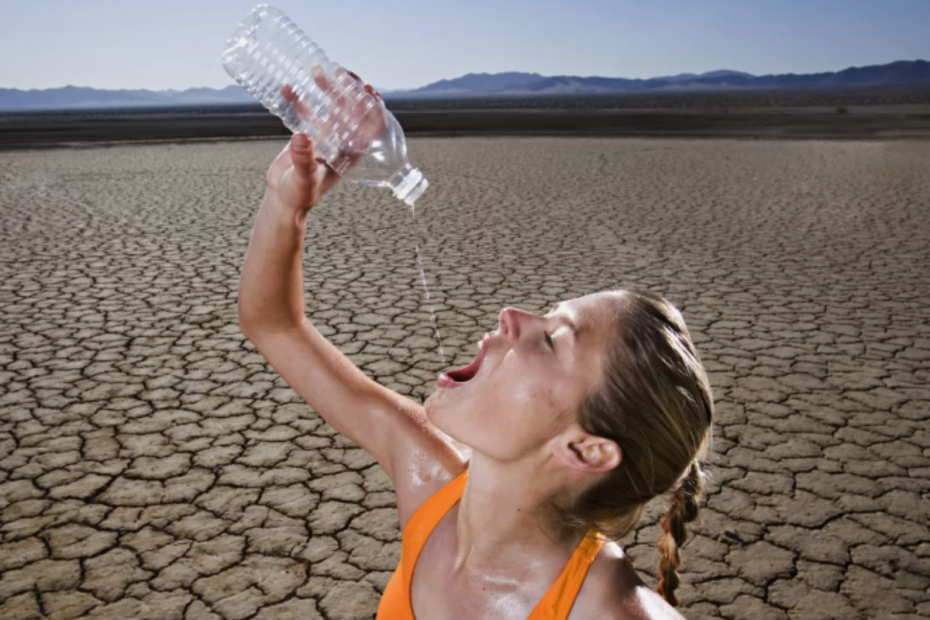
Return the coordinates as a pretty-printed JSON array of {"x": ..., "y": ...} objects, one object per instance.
[{"x": 683, "y": 509}]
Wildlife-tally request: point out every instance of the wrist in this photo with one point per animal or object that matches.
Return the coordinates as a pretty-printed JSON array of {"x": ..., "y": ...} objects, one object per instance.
[{"x": 283, "y": 211}]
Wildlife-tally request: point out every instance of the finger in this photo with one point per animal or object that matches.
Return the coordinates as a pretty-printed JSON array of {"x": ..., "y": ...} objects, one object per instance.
[
  {"x": 370, "y": 118},
  {"x": 368, "y": 87},
  {"x": 362, "y": 99},
  {"x": 346, "y": 99},
  {"x": 321, "y": 79},
  {"x": 371, "y": 91},
  {"x": 303, "y": 157},
  {"x": 299, "y": 105},
  {"x": 343, "y": 75},
  {"x": 334, "y": 89},
  {"x": 352, "y": 87},
  {"x": 361, "y": 105},
  {"x": 346, "y": 89}
]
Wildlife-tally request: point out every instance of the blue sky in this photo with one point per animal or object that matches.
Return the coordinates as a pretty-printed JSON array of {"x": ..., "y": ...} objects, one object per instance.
[{"x": 408, "y": 43}]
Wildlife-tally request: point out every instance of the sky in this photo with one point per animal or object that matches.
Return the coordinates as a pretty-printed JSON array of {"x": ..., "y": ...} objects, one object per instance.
[{"x": 176, "y": 44}]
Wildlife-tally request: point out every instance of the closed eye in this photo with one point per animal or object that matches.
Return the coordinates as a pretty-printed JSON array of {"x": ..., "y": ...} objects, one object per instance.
[{"x": 549, "y": 341}]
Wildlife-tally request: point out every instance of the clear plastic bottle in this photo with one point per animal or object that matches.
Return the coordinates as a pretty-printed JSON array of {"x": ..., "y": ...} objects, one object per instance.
[{"x": 348, "y": 125}]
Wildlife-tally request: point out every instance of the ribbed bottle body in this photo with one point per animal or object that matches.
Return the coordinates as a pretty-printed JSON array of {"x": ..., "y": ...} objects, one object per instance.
[
  {"x": 267, "y": 51},
  {"x": 351, "y": 130}
]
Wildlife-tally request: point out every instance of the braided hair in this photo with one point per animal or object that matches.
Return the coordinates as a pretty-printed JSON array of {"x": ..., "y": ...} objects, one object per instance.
[{"x": 683, "y": 509}]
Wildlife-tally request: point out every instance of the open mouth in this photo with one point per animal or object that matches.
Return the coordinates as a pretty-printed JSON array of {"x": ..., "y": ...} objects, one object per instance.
[{"x": 466, "y": 374}]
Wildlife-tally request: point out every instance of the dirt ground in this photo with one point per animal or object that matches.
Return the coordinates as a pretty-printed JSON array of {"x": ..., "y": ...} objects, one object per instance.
[{"x": 153, "y": 465}]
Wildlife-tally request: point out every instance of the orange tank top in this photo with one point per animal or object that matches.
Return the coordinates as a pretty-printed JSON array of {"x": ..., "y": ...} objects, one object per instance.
[{"x": 396, "y": 604}]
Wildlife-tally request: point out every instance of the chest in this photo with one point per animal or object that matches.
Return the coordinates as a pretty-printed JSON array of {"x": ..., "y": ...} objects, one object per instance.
[{"x": 438, "y": 593}]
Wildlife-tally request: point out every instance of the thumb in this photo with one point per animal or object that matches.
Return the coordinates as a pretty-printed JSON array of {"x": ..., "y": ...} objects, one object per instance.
[{"x": 303, "y": 158}]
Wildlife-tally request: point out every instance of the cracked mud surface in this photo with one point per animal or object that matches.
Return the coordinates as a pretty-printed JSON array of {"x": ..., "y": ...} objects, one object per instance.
[{"x": 152, "y": 465}]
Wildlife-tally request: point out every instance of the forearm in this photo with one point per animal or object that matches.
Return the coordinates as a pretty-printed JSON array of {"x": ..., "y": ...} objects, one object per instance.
[{"x": 271, "y": 285}]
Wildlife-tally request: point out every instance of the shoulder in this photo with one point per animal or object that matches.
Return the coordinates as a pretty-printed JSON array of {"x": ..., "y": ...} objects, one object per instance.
[
  {"x": 426, "y": 462},
  {"x": 644, "y": 603},
  {"x": 614, "y": 591}
]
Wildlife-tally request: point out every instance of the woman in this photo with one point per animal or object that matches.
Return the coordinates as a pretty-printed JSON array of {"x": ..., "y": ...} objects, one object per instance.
[{"x": 518, "y": 473}]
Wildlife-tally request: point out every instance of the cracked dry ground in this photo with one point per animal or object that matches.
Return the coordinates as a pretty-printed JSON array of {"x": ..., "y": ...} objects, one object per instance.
[{"x": 152, "y": 465}]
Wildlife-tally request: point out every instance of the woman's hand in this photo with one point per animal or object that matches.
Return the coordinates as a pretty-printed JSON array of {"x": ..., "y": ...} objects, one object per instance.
[{"x": 297, "y": 180}]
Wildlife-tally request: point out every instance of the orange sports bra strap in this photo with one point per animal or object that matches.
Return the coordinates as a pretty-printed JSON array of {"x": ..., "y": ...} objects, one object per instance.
[
  {"x": 431, "y": 512},
  {"x": 558, "y": 601},
  {"x": 575, "y": 578}
]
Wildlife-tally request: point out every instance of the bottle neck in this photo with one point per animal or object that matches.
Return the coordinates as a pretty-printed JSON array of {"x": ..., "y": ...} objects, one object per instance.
[{"x": 408, "y": 184}]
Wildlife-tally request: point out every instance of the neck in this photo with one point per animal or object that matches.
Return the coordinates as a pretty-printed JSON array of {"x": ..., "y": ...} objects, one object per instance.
[{"x": 500, "y": 526}]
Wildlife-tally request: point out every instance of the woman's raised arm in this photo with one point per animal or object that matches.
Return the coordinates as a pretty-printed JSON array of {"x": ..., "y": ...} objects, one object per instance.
[{"x": 391, "y": 427}]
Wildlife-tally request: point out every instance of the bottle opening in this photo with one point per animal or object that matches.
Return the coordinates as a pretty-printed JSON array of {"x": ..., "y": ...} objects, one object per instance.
[
  {"x": 411, "y": 186},
  {"x": 416, "y": 191}
]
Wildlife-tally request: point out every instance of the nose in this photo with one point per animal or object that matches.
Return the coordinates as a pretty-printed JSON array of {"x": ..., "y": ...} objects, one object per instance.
[{"x": 512, "y": 321}]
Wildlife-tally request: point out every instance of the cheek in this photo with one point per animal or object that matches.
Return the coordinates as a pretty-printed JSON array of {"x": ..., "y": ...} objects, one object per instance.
[
  {"x": 536, "y": 390},
  {"x": 529, "y": 408},
  {"x": 493, "y": 421},
  {"x": 517, "y": 409}
]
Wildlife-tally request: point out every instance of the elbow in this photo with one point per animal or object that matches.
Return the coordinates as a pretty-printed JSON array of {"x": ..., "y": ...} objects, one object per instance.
[
  {"x": 253, "y": 332},
  {"x": 245, "y": 330},
  {"x": 247, "y": 322},
  {"x": 256, "y": 319},
  {"x": 256, "y": 327}
]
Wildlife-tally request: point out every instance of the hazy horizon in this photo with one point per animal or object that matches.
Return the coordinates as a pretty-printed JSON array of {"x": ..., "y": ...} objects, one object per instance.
[
  {"x": 411, "y": 43},
  {"x": 458, "y": 76}
]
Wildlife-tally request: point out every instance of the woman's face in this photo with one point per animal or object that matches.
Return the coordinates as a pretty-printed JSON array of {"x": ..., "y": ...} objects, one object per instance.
[{"x": 529, "y": 378}]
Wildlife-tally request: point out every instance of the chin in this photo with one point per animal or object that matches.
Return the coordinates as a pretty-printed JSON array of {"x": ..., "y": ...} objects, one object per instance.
[
  {"x": 429, "y": 404},
  {"x": 439, "y": 412},
  {"x": 434, "y": 407}
]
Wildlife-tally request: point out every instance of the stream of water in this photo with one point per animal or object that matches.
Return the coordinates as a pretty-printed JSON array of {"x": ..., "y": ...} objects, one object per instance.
[{"x": 432, "y": 312}]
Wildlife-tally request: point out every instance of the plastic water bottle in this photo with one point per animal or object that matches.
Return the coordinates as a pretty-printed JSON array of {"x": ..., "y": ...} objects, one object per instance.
[{"x": 348, "y": 125}]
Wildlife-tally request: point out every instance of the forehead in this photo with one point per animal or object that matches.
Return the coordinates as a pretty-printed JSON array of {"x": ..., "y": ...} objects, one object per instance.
[
  {"x": 595, "y": 318},
  {"x": 595, "y": 314}
]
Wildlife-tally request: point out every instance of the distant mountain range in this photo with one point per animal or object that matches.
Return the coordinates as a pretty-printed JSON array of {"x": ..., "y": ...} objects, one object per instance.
[
  {"x": 80, "y": 97},
  {"x": 900, "y": 73},
  {"x": 533, "y": 83}
]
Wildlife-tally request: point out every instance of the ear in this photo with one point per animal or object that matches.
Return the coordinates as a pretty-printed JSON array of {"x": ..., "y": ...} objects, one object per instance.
[{"x": 588, "y": 453}]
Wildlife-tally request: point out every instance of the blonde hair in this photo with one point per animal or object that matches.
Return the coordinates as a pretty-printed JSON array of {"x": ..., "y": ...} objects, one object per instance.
[{"x": 655, "y": 402}]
